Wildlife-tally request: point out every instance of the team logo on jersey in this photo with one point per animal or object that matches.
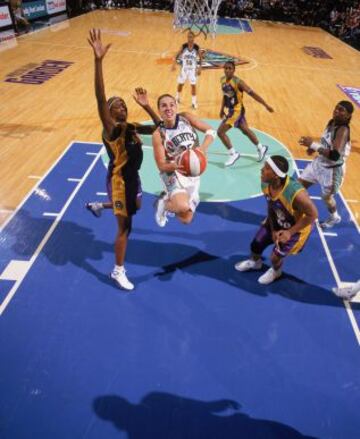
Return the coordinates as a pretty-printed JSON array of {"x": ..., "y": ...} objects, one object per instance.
[{"x": 217, "y": 60}]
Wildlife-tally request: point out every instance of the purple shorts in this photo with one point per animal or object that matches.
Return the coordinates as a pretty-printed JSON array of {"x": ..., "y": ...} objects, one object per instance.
[{"x": 263, "y": 239}]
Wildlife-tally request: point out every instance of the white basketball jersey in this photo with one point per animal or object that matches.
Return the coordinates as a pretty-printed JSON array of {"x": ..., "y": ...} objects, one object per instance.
[
  {"x": 189, "y": 57},
  {"x": 179, "y": 138},
  {"x": 326, "y": 141}
]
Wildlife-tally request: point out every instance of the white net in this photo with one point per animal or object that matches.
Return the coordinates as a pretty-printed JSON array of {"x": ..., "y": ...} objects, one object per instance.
[{"x": 198, "y": 15}]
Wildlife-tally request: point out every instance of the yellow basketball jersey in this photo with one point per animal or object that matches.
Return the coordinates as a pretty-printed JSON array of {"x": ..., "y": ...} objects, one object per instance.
[{"x": 233, "y": 96}]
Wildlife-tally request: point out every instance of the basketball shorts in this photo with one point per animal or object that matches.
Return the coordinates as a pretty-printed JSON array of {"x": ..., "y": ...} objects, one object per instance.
[
  {"x": 175, "y": 183},
  {"x": 124, "y": 193},
  {"x": 294, "y": 245},
  {"x": 235, "y": 117},
  {"x": 330, "y": 179},
  {"x": 187, "y": 74}
]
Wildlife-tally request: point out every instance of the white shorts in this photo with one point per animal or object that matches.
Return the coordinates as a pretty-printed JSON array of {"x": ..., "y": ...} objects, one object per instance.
[
  {"x": 329, "y": 179},
  {"x": 187, "y": 74},
  {"x": 176, "y": 183}
]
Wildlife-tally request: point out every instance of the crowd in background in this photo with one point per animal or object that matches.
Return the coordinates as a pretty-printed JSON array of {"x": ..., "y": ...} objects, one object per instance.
[{"x": 339, "y": 17}]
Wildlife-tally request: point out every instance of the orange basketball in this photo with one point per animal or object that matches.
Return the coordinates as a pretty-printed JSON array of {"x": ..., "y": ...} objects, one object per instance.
[{"x": 193, "y": 162}]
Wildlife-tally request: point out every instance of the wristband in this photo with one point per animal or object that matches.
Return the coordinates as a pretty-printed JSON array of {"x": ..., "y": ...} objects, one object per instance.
[
  {"x": 315, "y": 146},
  {"x": 211, "y": 133}
]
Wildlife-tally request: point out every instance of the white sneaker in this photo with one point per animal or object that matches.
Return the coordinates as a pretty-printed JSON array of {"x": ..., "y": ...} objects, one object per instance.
[
  {"x": 95, "y": 208},
  {"x": 232, "y": 159},
  {"x": 331, "y": 221},
  {"x": 248, "y": 264},
  {"x": 348, "y": 292},
  {"x": 194, "y": 106},
  {"x": 119, "y": 276},
  {"x": 160, "y": 211},
  {"x": 269, "y": 276},
  {"x": 262, "y": 152}
]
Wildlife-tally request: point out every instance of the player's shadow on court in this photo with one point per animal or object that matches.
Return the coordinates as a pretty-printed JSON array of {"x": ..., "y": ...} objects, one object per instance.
[
  {"x": 165, "y": 416},
  {"x": 77, "y": 245},
  {"x": 230, "y": 213},
  {"x": 69, "y": 243},
  {"x": 288, "y": 286}
]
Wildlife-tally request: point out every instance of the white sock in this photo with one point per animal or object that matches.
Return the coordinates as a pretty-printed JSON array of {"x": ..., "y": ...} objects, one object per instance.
[
  {"x": 119, "y": 268},
  {"x": 193, "y": 100},
  {"x": 259, "y": 146},
  {"x": 334, "y": 214},
  {"x": 177, "y": 96},
  {"x": 232, "y": 151}
]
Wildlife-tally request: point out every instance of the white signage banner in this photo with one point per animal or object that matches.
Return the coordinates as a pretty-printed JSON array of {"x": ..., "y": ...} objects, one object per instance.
[
  {"x": 55, "y": 6},
  {"x": 5, "y": 17}
]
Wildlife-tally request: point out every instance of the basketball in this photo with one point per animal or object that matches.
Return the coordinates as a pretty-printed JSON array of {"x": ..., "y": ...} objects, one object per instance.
[{"x": 193, "y": 162}]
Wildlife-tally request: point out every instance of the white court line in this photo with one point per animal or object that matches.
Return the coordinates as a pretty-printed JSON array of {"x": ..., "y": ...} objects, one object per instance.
[
  {"x": 34, "y": 177},
  {"x": 76, "y": 180},
  {"x": 336, "y": 274},
  {"x": 50, "y": 213},
  {"x": 101, "y": 194},
  {"x": 91, "y": 153},
  {"x": 330, "y": 234},
  {"x": 352, "y": 217},
  {"x": 352, "y": 201},
  {"x": 6, "y": 210},
  {"x": 15, "y": 287},
  {"x": 314, "y": 197},
  {"x": 2, "y": 227}
]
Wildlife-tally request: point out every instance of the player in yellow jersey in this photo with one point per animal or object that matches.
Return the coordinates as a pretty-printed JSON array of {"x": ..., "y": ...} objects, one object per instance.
[
  {"x": 233, "y": 89},
  {"x": 288, "y": 224},
  {"x": 124, "y": 148}
]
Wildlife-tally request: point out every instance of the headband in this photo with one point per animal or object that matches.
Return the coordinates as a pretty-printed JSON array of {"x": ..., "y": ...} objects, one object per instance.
[{"x": 275, "y": 168}]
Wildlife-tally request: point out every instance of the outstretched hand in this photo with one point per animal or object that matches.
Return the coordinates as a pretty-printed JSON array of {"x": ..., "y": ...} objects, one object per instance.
[
  {"x": 140, "y": 96},
  {"x": 95, "y": 42},
  {"x": 306, "y": 141}
]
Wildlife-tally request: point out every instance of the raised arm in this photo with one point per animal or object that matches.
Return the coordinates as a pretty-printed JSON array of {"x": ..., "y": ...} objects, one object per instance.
[
  {"x": 244, "y": 87},
  {"x": 99, "y": 53},
  {"x": 141, "y": 98}
]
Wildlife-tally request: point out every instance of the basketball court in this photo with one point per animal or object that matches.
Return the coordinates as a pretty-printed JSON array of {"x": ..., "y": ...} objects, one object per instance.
[{"x": 198, "y": 350}]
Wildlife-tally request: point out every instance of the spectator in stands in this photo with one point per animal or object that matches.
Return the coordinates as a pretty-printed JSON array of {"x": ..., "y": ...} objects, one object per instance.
[{"x": 21, "y": 22}]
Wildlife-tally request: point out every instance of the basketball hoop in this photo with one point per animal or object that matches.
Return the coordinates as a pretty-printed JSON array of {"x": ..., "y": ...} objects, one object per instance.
[{"x": 200, "y": 16}]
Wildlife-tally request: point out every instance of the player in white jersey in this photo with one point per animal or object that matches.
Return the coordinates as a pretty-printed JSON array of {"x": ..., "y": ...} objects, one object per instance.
[
  {"x": 328, "y": 168},
  {"x": 175, "y": 134},
  {"x": 190, "y": 57}
]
